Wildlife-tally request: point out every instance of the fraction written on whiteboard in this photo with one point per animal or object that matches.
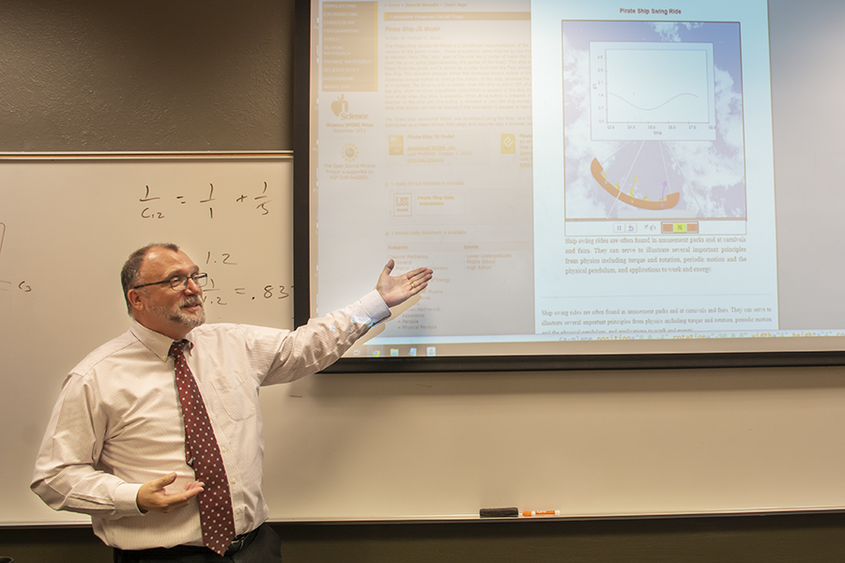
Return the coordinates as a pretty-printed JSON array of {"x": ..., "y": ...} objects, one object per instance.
[
  {"x": 253, "y": 292},
  {"x": 157, "y": 205},
  {"x": 217, "y": 294}
]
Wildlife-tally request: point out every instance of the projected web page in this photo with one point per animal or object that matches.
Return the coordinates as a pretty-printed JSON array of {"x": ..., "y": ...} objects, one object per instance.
[
  {"x": 656, "y": 225},
  {"x": 571, "y": 171},
  {"x": 425, "y": 157}
]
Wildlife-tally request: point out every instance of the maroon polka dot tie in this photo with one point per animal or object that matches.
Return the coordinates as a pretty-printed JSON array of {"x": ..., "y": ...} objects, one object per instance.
[{"x": 203, "y": 454}]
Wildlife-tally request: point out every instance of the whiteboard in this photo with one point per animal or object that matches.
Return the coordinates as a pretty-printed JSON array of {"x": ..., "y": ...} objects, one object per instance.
[
  {"x": 376, "y": 447},
  {"x": 67, "y": 224},
  {"x": 591, "y": 444}
]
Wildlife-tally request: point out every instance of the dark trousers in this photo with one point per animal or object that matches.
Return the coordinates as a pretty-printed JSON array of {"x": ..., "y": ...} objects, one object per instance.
[{"x": 264, "y": 547}]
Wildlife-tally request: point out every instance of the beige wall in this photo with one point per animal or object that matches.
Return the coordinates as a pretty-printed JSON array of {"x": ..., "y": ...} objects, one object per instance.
[{"x": 99, "y": 75}]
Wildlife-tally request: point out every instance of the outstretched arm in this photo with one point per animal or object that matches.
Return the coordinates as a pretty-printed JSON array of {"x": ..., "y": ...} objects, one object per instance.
[{"x": 397, "y": 289}]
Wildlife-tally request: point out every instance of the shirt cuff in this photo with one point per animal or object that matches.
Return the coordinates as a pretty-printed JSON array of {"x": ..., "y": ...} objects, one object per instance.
[
  {"x": 371, "y": 309},
  {"x": 126, "y": 499}
]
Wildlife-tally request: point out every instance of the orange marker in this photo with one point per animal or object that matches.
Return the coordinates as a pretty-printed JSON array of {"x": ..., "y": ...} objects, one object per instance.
[{"x": 541, "y": 513}]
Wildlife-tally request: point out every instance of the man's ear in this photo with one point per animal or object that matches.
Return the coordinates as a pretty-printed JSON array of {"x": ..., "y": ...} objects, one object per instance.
[{"x": 135, "y": 299}]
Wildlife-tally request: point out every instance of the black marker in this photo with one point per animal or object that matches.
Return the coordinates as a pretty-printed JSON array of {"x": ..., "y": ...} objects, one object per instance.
[{"x": 510, "y": 511}]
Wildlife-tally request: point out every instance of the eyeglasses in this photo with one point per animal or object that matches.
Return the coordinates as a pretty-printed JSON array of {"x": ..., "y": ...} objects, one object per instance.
[{"x": 179, "y": 283}]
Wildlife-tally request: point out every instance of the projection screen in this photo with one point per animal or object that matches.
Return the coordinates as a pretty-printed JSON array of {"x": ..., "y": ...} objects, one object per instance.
[{"x": 595, "y": 184}]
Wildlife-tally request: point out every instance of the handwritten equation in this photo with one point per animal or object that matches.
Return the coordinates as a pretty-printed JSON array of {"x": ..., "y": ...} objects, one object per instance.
[
  {"x": 6, "y": 285},
  {"x": 23, "y": 286},
  {"x": 213, "y": 295},
  {"x": 219, "y": 295},
  {"x": 156, "y": 205}
]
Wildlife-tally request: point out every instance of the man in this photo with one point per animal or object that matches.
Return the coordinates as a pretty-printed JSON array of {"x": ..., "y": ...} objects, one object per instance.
[{"x": 116, "y": 445}]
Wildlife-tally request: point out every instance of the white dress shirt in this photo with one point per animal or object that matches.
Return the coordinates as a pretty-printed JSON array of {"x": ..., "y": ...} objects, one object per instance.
[{"x": 118, "y": 421}]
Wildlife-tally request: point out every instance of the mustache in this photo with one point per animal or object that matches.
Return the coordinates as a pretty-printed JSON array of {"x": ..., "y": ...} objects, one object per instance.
[{"x": 190, "y": 302}]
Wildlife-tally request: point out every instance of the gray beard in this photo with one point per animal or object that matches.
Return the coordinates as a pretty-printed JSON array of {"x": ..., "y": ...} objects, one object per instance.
[{"x": 180, "y": 317}]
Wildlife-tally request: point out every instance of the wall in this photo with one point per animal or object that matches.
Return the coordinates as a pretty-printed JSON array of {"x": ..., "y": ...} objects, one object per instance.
[{"x": 145, "y": 76}]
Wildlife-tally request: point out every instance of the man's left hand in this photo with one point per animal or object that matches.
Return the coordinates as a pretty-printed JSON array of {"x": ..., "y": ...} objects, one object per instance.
[{"x": 398, "y": 289}]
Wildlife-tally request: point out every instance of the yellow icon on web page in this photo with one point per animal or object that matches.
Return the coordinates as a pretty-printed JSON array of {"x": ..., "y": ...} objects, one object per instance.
[
  {"x": 508, "y": 143},
  {"x": 349, "y": 152},
  {"x": 395, "y": 145}
]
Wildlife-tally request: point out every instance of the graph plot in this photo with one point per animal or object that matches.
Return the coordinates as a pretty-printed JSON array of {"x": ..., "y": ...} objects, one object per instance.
[
  {"x": 652, "y": 91},
  {"x": 657, "y": 86}
]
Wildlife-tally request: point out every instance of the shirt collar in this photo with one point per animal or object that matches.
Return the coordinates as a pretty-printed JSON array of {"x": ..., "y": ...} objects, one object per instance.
[{"x": 156, "y": 342}]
